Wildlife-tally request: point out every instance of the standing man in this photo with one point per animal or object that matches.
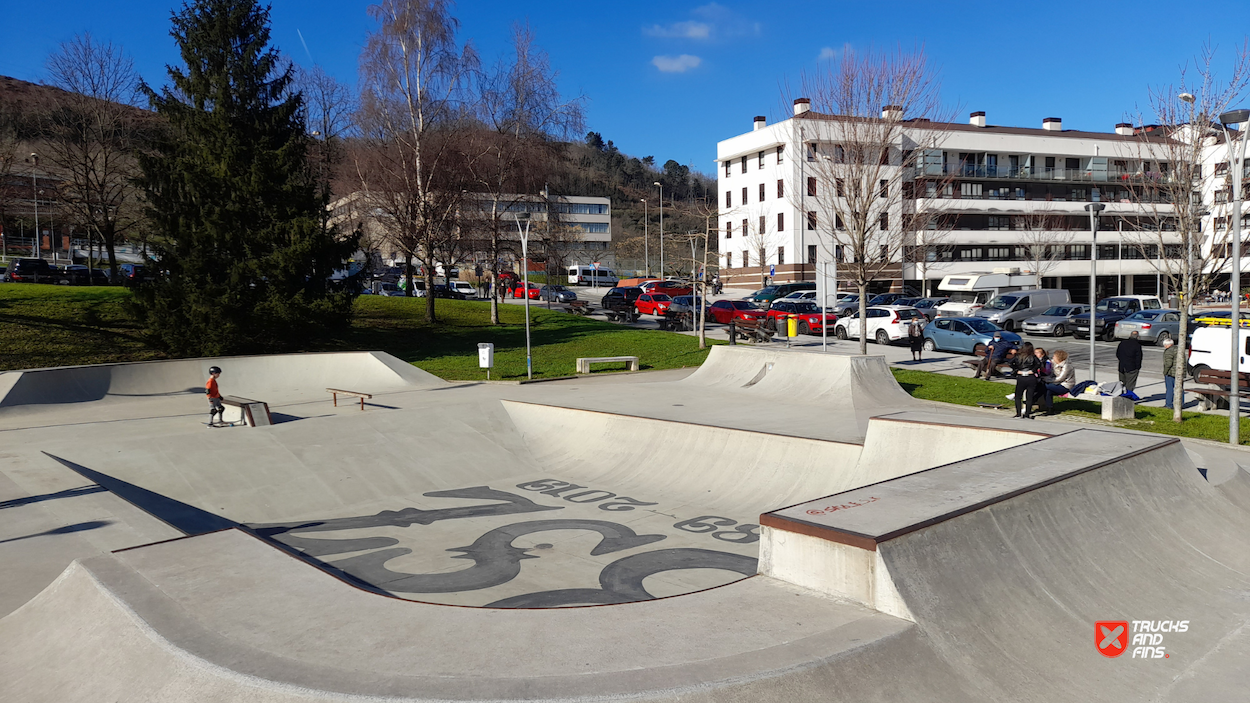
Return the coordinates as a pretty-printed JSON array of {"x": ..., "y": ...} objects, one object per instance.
[
  {"x": 215, "y": 408},
  {"x": 1169, "y": 373},
  {"x": 1129, "y": 355}
]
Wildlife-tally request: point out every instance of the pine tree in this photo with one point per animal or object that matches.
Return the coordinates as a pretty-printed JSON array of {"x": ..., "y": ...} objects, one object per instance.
[{"x": 243, "y": 255}]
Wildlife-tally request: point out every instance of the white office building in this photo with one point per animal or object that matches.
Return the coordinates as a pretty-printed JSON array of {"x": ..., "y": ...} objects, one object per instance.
[{"x": 1001, "y": 190}]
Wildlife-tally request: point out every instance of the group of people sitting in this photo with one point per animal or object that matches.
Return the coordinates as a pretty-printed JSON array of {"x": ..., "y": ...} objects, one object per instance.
[{"x": 1039, "y": 378}]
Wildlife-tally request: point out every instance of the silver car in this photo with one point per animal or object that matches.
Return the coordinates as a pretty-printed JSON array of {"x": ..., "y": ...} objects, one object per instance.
[
  {"x": 1150, "y": 325},
  {"x": 1054, "y": 320}
]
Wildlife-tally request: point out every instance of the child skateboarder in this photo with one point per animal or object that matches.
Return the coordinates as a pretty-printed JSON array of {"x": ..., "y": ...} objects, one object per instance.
[{"x": 215, "y": 408}]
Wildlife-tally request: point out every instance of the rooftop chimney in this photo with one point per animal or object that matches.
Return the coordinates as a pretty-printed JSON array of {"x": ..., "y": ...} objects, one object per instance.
[
  {"x": 1124, "y": 129},
  {"x": 1053, "y": 124},
  {"x": 892, "y": 112},
  {"x": 760, "y": 122},
  {"x": 802, "y": 105},
  {"x": 977, "y": 119}
]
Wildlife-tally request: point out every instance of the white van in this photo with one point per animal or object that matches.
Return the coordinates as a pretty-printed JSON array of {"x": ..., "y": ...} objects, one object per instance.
[
  {"x": 1010, "y": 310},
  {"x": 591, "y": 276},
  {"x": 1209, "y": 349}
]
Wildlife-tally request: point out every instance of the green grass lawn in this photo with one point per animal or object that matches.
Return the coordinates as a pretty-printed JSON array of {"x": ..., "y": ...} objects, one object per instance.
[
  {"x": 968, "y": 391},
  {"x": 43, "y": 325}
]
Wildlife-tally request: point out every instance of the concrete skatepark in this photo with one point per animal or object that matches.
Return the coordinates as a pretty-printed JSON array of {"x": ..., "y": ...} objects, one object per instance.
[{"x": 775, "y": 525}]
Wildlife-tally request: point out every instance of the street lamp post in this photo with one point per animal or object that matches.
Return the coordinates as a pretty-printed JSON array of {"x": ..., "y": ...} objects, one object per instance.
[
  {"x": 661, "y": 187},
  {"x": 525, "y": 287},
  {"x": 1241, "y": 118},
  {"x": 34, "y": 193},
  {"x": 646, "y": 238},
  {"x": 1094, "y": 210}
]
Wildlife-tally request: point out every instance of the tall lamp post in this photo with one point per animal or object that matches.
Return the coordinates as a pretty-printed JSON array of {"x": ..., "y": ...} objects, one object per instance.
[
  {"x": 1240, "y": 118},
  {"x": 1094, "y": 210},
  {"x": 646, "y": 237},
  {"x": 525, "y": 288},
  {"x": 661, "y": 187}
]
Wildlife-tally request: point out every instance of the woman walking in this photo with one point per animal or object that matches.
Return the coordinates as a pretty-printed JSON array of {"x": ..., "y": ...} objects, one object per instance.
[
  {"x": 1026, "y": 367},
  {"x": 915, "y": 335},
  {"x": 1064, "y": 379}
]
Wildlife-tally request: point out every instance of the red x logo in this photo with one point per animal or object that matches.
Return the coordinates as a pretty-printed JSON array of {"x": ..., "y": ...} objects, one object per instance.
[{"x": 1111, "y": 637}]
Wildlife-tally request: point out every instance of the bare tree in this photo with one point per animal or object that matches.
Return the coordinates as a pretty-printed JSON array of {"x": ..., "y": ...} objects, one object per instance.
[
  {"x": 411, "y": 115},
  {"x": 872, "y": 139},
  {"x": 522, "y": 116},
  {"x": 328, "y": 106},
  {"x": 1044, "y": 239},
  {"x": 1169, "y": 180},
  {"x": 92, "y": 133},
  {"x": 15, "y": 128}
]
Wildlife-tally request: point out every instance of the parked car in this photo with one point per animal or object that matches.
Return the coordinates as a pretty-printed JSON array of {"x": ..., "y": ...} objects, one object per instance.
[
  {"x": 684, "y": 303},
  {"x": 79, "y": 275},
  {"x": 465, "y": 287},
  {"x": 768, "y": 294},
  {"x": 652, "y": 303},
  {"x": 669, "y": 288},
  {"x": 445, "y": 291},
  {"x": 557, "y": 294},
  {"x": 1010, "y": 310},
  {"x": 518, "y": 291},
  {"x": 32, "y": 271},
  {"x": 133, "y": 273},
  {"x": 620, "y": 297},
  {"x": 1110, "y": 311},
  {"x": 846, "y": 305},
  {"x": 886, "y": 323},
  {"x": 723, "y": 311},
  {"x": 929, "y": 307},
  {"x": 1151, "y": 325},
  {"x": 811, "y": 319},
  {"x": 886, "y": 299},
  {"x": 1221, "y": 318},
  {"x": 963, "y": 334},
  {"x": 1053, "y": 320}
]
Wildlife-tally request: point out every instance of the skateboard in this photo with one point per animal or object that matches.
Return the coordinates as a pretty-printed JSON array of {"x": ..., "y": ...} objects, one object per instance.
[{"x": 219, "y": 424}]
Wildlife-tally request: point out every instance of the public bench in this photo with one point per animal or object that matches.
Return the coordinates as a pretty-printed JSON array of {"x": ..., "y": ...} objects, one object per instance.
[
  {"x": 578, "y": 307},
  {"x": 749, "y": 330},
  {"x": 974, "y": 363},
  {"x": 677, "y": 321},
  {"x": 622, "y": 313},
  {"x": 1211, "y": 398},
  {"x": 336, "y": 392},
  {"x": 255, "y": 413},
  {"x": 584, "y": 362}
]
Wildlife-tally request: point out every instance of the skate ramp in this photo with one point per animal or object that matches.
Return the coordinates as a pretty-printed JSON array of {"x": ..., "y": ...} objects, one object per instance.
[
  {"x": 1006, "y": 562},
  {"x": 270, "y": 378}
]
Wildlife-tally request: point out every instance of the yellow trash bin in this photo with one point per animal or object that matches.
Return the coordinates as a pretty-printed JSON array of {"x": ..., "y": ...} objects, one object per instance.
[{"x": 792, "y": 326}]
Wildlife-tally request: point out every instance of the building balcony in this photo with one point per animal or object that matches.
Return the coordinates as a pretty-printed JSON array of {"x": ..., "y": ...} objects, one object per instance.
[{"x": 1042, "y": 174}]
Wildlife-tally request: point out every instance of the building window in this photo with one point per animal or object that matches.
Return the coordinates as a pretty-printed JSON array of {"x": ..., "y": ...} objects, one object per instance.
[
  {"x": 781, "y": 154},
  {"x": 763, "y": 225},
  {"x": 841, "y": 190},
  {"x": 729, "y": 199},
  {"x": 885, "y": 252},
  {"x": 729, "y": 261},
  {"x": 1050, "y": 165},
  {"x": 885, "y": 221},
  {"x": 885, "y": 191},
  {"x": 729, "y": 230},
  {"x": 838, "y": 253},
  {"x": 811, "y": 152},
  {"x": 1072, "y": 164},
  {"x": 746, "y": 259},
  {"x": 744, "y": 164},
  {"x": 839, "y": 224},
  {"x": 811, "y": 185},
  {"x": 727, "y": 165},
  {"x": 1221, "y": 169},
  {"x": 781, "y": 190},
  {"x": 744, "y": 195},
  {"x": 745, "y": 227},
  {"x": 761, "y": 192},
  {"x": 839, "y": 154},
  {"x": 811, "y": 219},
  {"x": 781, "y": 257},
  {"x": 781, "y": 222},
  {"x": 811, "y": 254}
]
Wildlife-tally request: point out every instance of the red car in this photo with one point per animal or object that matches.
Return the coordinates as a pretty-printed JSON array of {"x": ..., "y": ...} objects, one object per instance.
[
  {"x": 519, "y": 291},
  {"x": 652, "y": 303},
  {"x": 811, "y": 319},
  {"x": 723, "y": 311},
  {"x": 669, "y": 288}
]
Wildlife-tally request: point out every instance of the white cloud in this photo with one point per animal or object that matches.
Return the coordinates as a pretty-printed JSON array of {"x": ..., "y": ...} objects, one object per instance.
[
  {"x": 676, "y": 64},
  {"x": 826, "y": 53},
  {"x": 680, "y": 30}
]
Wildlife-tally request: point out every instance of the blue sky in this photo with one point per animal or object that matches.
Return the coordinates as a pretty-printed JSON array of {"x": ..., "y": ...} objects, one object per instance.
[{"x": 670, "y": 79}]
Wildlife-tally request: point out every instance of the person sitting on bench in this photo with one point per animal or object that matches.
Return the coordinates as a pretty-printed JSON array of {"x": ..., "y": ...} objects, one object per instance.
[{"x": 998, "y": 352}]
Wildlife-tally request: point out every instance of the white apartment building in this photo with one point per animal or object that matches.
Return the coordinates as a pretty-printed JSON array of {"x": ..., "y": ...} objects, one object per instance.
[{"x": 999, "y": 187}]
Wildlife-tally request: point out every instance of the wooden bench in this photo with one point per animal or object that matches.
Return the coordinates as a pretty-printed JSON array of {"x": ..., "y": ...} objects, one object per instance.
[
  {"x": 255, "y": 413},
  {"x": 677, "y": 321},
  {"x": 622, "y": 313},
  {"x": 584, "y": 362},
  {"x": 749, "y": 330},
  {"x": 578, "y": 307},
  {"x": 974, "y": 364},
  {"x": 336, "y": 391},
  {"x": 1210, "y": 398}
]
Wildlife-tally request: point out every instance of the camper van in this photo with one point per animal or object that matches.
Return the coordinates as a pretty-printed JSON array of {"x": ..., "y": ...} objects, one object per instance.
[
  {"x": 592, "y": 276},
  {"x": 969, "y": 292}
]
